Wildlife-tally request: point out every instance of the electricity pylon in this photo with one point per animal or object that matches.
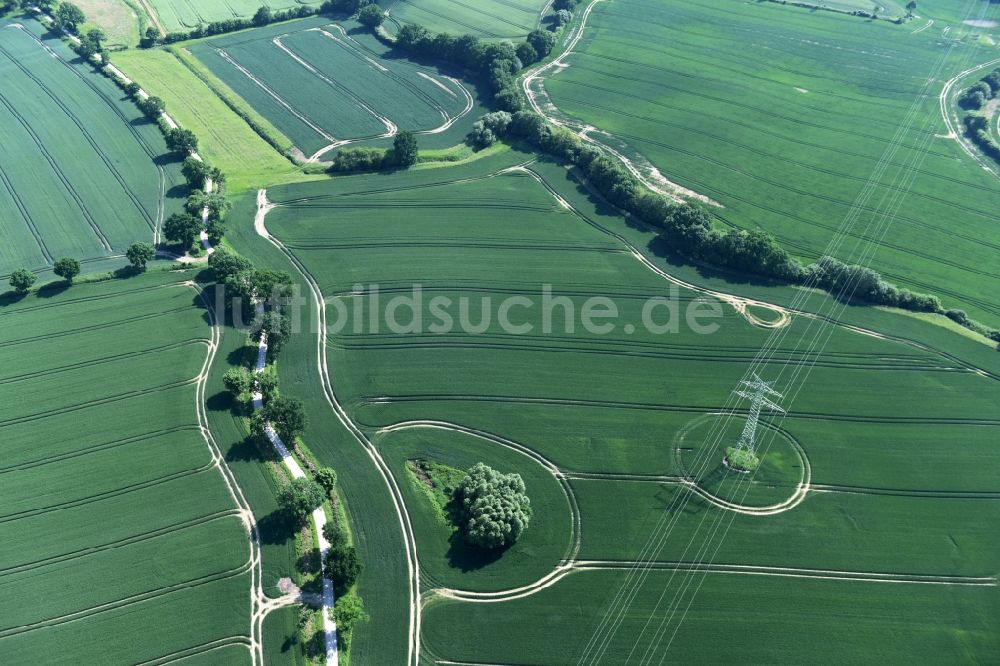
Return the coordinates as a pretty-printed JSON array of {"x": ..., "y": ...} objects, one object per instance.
[{"x": 757, "y": 393}]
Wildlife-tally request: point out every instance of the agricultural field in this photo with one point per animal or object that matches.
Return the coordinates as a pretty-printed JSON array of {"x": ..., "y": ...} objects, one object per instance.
[
  {"x": 121, "y": 20},
  {"x": 225, "y": 139},
  {"x": 183, "y": 15},
  {"x": 796, "y": 122},
  {"x": 121, "y": 539},
  {"x": 486, "y": 19},
  {"x": 323, "y": 86},
  {"x": 81, "y": 174},
  {"x": 864, "y": 509}
]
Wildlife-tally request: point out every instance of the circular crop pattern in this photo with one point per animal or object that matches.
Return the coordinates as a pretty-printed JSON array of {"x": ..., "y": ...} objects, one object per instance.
[{"x": 781, "y": 476}]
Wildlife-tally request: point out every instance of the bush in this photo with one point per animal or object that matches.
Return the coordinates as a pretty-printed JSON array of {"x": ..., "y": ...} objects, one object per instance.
[
  {"x": 151, "y": 106},
  {"x": 181, "y": 140},
  {"x": 741, "y": 459},
  {"x": 225, "y": 262},
  {"x": 493, "y": 507},
  {"x": 327, "y": 477},
  {"x": 542, "y": 41},
  {"x": 349, "y": 160},
  {"x": 335, "y": 535}
]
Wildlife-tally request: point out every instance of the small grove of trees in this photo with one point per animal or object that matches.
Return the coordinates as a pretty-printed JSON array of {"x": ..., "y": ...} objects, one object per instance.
[
  {"x": 493, "y": 507},
  {"x": 67, "y": 268},
  {"x": 21, "y": 281},
  {"x": 300, "y": 498},
  {"x": 404, "y": 153},
  {"x": 139, "y": 254},
  {"x": 977, "y": 129},
  {"x": 980, "y": 92}
]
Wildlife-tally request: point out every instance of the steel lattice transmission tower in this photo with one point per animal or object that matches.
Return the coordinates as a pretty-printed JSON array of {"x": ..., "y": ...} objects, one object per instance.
[{"x": 756, "y": 392}]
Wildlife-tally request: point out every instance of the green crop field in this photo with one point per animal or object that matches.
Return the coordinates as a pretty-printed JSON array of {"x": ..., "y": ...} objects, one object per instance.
[
  {"x": 80, "y": 174},
  {"x": 119, "y": 536},
  {"x": 183, "y": 15},
  {"x": 790, "y": 120},
  {"x": 487, "y": 19},
  {"x": 719, "y": 467},
  {"x": 885, "y": 505},
  {"x": 323, "y": 87}
]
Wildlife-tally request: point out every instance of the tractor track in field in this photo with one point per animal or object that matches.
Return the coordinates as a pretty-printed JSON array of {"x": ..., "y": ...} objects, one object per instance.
[
  {"x": 85, "y": 133},
  {"x": 126, "y": 541},
  {"x": 110, "y": 494},
  {"x": 64, "y": 332},
  {"x": 126, "y": 121},
  {"x": 59, "y": 174},
  {"x": 100, "y": 361},
  {"x": 274, "y": 95},
  {"x": 196, "y": 650},
  {"x": 736, "y": 301},
  {"x": 533, "y": 85},
  {"x": 103, "y": 446},
  {"x": 475, "y": 342},
  {"x": 391, "y": 129},
  {"x": 648, "y": 406},
  {"x": 26, "y": 216},
  {"x": 128, "y": 601}
]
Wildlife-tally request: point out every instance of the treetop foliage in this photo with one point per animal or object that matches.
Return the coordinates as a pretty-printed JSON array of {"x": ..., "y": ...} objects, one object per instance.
[{"x": 493, "y": 507}]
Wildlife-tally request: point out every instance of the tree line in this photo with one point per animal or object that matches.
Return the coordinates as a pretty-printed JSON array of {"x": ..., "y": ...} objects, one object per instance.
[
  {"x": 497, "y": 63},
  {"x": 689, "y": 228},
  {"x": 244, "y": 284}
]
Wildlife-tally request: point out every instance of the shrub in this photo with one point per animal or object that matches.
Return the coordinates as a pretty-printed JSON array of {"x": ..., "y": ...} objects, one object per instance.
[
  {"x": 349, "y": 160},
  {"x": 335, "y": 535},
  {"x": 225, "y": 262},
  {"x": 493, "y": 507},
  {"x": 741, "y": 459},
  {"x": 327, "y": 477},
  {"x": 181, "y": 140}
]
